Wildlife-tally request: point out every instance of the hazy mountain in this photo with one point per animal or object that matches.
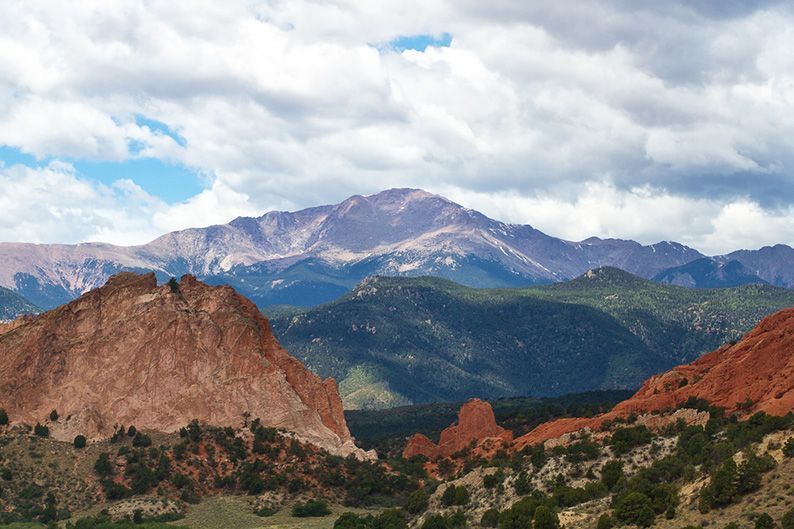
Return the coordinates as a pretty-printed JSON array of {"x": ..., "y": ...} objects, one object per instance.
[
  {"x": 13, "y": 305},
  {"x": 399, "y": 340},
  {"x": 709, "y": 273},
  {"x": 316, "y": 254}
]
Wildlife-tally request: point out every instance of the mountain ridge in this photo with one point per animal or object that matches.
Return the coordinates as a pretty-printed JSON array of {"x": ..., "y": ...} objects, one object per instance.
[
  {"x": 381, "y": 339},
  {"x": 394, "y": 232}
]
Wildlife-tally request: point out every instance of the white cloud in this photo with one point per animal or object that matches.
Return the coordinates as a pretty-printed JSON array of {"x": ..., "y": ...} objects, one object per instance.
[
  {"x": 52, "y": 204},
  {"x": 662, "y": 113}
]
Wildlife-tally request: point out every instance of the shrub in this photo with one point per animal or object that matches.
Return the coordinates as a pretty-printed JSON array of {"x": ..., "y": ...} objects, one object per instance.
[
  {"x": 611, "y": 473},
  {"x": 103, "y": 466},
  {"x": 764, "y": 521},
  {"x": 311, "y": 508},
  {"x": 3, "y": 417},
  {"x": 141, "y": 440},
  {"x": 624, "y": 440},
  {"x": 490, "y": 518},
  {"x": 604, "y": 522},
  {"x": 79, "y": 441},
  {"x": 634, "y": 508},
  {"x": 53, "y": 415},
  {"x": 584, "y": 450},
  {"x": 455, "y": 496},
  {"x": 787, "y": 522},
  {"x": 545, "y": 518},
  {"x": 131, "y": 431},
  {"x": 417, "y": 502},
  {"x": 41, "y": 430},
  {"x": 267, "y": 511},
  {"x": 788, "y": 448},
  {"x": 173, "y": 284},
  {"x": 493, "y": 480}
]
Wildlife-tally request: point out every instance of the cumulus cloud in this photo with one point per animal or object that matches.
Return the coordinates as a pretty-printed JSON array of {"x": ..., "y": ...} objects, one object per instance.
[{"x": 570, "y": 116}]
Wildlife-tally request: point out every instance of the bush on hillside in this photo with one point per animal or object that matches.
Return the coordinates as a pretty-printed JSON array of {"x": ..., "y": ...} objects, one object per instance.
[
  {"x": 311, "y": 508},
  {"x": 41, "y": 430}
]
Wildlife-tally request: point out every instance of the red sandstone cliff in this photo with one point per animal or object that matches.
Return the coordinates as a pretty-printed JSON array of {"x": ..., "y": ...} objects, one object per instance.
[
  {"x": 476, "y": 422},
  {"x": 755, "y": 374},
  {"x": 131, "y": 352}
]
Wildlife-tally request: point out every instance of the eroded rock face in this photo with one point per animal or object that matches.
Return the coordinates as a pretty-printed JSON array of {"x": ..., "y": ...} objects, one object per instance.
[
  {"x": 131, "y": 352},
  {"x": 476, "y": 422},
  {"x": 755, "y": 374}
]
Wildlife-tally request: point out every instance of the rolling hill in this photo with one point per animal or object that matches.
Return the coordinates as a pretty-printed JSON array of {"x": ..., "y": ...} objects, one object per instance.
[{"x": 394, "y": 341}]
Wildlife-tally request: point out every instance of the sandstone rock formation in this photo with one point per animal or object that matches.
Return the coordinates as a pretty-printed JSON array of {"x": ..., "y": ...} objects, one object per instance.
[
  {"x": 476, "y": 422},
  {"x": 755, "y": 374},
  {"x": 131, "y": 352}
]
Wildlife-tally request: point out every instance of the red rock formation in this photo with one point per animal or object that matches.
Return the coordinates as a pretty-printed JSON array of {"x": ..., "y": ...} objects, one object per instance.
[
  {"x": 131, "y": 352},
  {"x": 755, "y": 374},
  {"x": 476, "y": 422}
]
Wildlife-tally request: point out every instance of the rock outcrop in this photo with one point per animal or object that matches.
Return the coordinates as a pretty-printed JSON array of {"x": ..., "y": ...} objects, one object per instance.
[
  {"x": 754, "y": 374},
  {"x": 476, "y": 422},
  {"x": 131, "y": 352}
]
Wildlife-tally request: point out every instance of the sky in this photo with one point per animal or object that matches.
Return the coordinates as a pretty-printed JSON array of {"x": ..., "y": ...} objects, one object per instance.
[{"x": 121, "y": 120}]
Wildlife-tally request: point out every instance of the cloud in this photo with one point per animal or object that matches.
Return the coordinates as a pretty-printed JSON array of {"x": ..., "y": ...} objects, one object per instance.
[
  {"x": 651, "y": 109},
  {"x": 53, "y": 204}
]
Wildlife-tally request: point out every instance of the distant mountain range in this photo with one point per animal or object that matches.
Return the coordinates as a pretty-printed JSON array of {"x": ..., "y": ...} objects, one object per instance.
[
  {"x": 315, "y": 255},
  {"x": 13, "y": 305},
  {"x": 709, "y": 273},
  {"x": 394, "y": 341}
]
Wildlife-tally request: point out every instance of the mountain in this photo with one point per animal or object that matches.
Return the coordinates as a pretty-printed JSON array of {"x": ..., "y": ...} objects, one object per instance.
[
  {"x": 677, "y": 323},
  {"x": 395, "y": 341},
  {"x": 773, "y": 264},
  {"x": 316, "y": 254},
  {"x": 13, "y": 305},
  {"x": 755, "y": 374},
  {"x": 709, "y": 273},
  {"x": 399, "y": 340},
  {"x": 131, "y": 352}
]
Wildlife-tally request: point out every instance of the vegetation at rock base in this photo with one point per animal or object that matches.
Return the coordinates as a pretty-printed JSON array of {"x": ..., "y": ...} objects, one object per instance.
[{"x": 385, "y": 430}]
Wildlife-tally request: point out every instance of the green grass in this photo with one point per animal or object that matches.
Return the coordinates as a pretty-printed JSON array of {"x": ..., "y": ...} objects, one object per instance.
[{"x": 223, "y": 512}]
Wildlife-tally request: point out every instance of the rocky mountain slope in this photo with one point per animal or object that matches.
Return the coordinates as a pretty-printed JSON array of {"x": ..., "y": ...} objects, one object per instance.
[
  {"x": 751, "y": 375},
  {"x": 703, "y": 444},
  {"x": 709, "y": 273},
  {"x": 131, "y": 352},
  {"x": 315, "y": 255},
  {"x": 410, "y": 340},
  {"x": 13, "y": 305}
]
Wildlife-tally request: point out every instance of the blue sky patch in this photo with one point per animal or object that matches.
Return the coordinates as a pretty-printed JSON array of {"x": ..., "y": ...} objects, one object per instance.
[
  {"x": 159, "y": 126},
  {"x": 420, "y": 42},
  {"x": 12, "y": 156},
  {"x": 169, "y": 182}
]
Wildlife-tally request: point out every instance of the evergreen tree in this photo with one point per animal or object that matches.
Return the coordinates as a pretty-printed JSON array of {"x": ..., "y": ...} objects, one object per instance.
[
  {"x": 545, "y": 518},
  {"x": 635, "y": 508},
  {"x": 764, "y": 521}
]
